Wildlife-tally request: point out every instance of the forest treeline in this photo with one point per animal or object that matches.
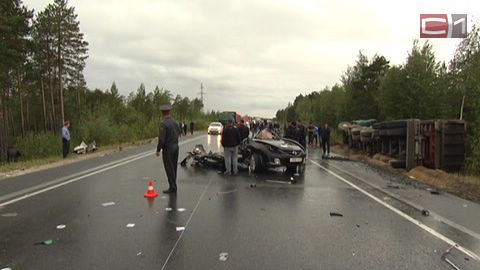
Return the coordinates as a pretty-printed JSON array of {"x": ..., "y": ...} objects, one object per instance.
[
  {"x": 43, "y": 58},
  {"x": 422, "y": 88}
]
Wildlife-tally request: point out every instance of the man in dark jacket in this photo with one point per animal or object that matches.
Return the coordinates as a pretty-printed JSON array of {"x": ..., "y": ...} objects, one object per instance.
[
  {"x": 291, "y": 132},
  {"x": 325, "y": 135},
  {"x": 302, "y": 134},
  {"x": 192, "y": 126},
  {"x": 230, "y": 141},
  {"x": 168, "y": 144},
  {"x": 243, "y": 129}
]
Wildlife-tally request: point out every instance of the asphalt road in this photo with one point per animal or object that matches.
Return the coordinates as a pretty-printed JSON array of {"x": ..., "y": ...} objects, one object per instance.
[{"x": 262, "y": 221}]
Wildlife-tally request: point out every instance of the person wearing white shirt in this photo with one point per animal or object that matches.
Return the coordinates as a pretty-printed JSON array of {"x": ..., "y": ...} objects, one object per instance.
[{"x": 66, "y": 138}]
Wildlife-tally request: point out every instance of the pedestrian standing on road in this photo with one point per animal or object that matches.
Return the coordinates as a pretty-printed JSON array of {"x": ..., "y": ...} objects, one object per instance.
[
  {"x": 325, "y": 135},
  {"x": 243, "y": 129},
  {"x": 168, "y": 145},
  {"x": 192, "y": 125},
  {"x": 230, "y": 141},
  {"x": 302, "y": 134},
  {"x": 311, "y": 129},
  {"x": 316, "y": 135},
  {"x": 184, "y": 128},
  {"x": 66, "y": 138},
  {"x": 291, "y": 132}
]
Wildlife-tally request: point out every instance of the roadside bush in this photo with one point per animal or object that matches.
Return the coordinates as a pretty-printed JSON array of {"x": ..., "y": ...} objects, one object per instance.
[
  {"x": 473, "y": 159},
  {"x": 40, "y": 145}
]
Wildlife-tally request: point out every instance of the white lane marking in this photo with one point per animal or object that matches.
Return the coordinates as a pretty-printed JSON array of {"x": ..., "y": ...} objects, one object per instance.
[
  {"x": 278, "y": 182},
  {"x": 400, "y": 213},
  {"x": 188, "y": 222},
  {"x": 39, "y": 189},
  {"x": 61, "y": 179},
  {"x": 414, "y": 205}
]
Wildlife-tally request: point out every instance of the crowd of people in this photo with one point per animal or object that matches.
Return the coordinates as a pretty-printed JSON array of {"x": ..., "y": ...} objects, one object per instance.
[{"x": 311, "y": 135}]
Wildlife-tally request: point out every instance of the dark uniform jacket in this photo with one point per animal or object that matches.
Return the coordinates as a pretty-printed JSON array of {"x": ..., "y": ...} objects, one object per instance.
[{"x": 169, "y": 133}]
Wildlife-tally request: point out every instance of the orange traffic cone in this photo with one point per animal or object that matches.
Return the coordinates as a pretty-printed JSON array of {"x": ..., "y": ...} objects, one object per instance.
[{"x": 151, "y": 193}]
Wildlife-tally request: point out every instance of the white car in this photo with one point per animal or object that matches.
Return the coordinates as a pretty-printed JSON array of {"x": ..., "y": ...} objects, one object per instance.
[{"x": 215, "y": 128}]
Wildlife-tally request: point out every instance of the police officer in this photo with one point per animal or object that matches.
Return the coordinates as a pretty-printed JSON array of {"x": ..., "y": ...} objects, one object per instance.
[{"x": 168, "y": 144}]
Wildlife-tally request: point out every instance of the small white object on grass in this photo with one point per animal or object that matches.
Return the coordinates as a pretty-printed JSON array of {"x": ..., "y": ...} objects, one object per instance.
[
  {"x": 108, "y": 204},
  {"x": 61, "y": 227},
  {"x": 130, "y": 225},
  {"x": 180, "y": 229}
]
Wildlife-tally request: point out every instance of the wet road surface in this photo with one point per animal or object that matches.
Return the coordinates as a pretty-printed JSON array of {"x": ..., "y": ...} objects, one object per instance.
[{"x": 262, "y": 221}]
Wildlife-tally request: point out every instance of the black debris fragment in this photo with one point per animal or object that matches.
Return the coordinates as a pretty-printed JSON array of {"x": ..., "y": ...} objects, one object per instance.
[
  {"x": 358, "y": 226},
  {"x": 392, "y": 186},
  {"x": 425, "y": 212},
  {"x": 253, "y": 185},
  {"x": 333, "y": 214},
  {"x": 46, "y": 243},
  {"x": 262, "y": 209},
  {"x": 467, "y": 259},
  {"x": 434, "y": 192}
]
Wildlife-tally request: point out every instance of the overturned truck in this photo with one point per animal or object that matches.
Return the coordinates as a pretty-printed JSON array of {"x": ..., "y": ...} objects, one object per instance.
[{"x": 436, "y": 144}]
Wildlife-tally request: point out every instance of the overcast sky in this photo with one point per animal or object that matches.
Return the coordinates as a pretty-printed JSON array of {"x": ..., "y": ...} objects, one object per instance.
[{"x": 253, "y": 56}]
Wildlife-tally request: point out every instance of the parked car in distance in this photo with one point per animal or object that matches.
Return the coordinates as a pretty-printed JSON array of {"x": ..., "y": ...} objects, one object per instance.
[{"x": 215, "y": 128}]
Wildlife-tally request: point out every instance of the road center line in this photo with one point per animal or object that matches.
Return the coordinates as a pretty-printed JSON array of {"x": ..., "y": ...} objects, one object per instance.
[
  {"x": 400, "y": 213},
  {"x": 186, "y": 224},
  {"x": 44, "y": 187}
]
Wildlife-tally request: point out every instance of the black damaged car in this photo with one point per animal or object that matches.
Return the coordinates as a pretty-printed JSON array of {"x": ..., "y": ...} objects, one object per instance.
[{"x": 268, "y": 150}]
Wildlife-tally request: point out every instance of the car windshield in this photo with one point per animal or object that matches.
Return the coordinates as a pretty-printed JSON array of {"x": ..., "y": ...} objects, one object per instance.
[
  {"x": 215, "y": 125},
  {"x": 267, "y": 134}
]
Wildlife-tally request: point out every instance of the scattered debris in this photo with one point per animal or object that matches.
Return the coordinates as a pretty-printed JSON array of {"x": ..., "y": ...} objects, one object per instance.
[
  {"x": 358, "y": 226},
  {"x": 180, "y": 229},
  {"x": 425, "y": 212},
  {"x": 333, "y": 214},
  {"x": 253, "y": 185},
  {"x": 393, "y": 186},
  {"x": 46, "y": 242},
  {"x": 181, "y": 209},
  {"x": 223, "y": 256},
  {"x": 168, "y": 209},
  {"x": 467, "y": 259},
  {"x": 61, "y": 227},
  {"x": 434, "y": 192},
  {"x": 353, "y": 254},
  {"x": 130, "y": 225},
  {"x": 411, "y": 177},
  {"x": 140, "y": 254},
  {"x": 10, "y": 214},
  {"x": 108, "y": 204},
  {"x": 465, "y": 205}
]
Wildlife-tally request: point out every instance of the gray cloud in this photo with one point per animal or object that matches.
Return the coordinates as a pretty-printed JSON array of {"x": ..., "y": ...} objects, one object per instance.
[{"x": 252, "y": 56}]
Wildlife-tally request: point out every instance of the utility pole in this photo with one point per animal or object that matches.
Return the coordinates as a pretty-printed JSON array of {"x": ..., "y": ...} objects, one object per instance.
[{"x": 202, "y": 93}]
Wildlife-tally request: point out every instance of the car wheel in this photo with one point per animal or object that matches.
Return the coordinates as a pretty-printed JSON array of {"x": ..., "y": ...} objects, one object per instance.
[{"x": 255, "y": 164}]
